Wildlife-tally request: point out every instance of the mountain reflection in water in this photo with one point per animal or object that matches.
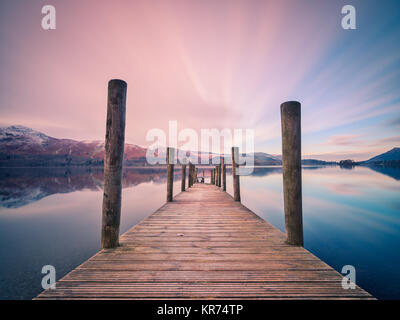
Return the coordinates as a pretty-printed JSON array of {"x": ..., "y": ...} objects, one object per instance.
[{"x": 53, "y": 216}]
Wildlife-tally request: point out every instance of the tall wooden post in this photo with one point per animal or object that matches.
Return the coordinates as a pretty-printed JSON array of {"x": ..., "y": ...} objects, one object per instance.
[
  {"x": 170, "y": 173},
  {"x": 223, "y": 174},
  {"x": 113, "y": 161},
  {"x": 291, "y": 167},
  {"x": 195, "y": 175},
  {"x": 183, "y": 181},
  {"x": 212, "y": 176},
  {"x": 235, "y": 176}
]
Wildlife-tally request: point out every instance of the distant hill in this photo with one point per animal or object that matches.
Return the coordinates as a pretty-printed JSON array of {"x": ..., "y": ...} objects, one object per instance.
[
  {"x": 24, "y": 147},
  {"x": 314, "y": 162},
  {"x": 264, "y": 159},
  {"x": 389, "y": 156}
]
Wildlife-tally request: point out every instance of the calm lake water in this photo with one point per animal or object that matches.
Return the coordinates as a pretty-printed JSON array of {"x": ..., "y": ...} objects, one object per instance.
[{"x": 53, "y": 216}]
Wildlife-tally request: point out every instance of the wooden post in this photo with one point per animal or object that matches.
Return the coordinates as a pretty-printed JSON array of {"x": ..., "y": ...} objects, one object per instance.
[
  {"x": 170, "y": 173},
  {"x": 219, "y": 175},
  {"x": 193, "y": 175},
  {"x": 196, "y": 172},
  {"x": 235, "y": 176},
  {"x": 212, "y": 176},
  {"x": 183, "y": 183},
  {"x": 216, "y": 175},
  {"x": 113, "y": 161},
  {"x": 223, "y": 174},
  {"x": 291, "y": 167},
  {"x": 189, "y": 174}
]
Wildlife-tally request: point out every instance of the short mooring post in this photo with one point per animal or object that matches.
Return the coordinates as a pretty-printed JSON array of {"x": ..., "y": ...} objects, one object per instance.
[
  {"x": 189, "y": 168},
  {"x": 113, "y": 159},
  {"x": 170, "y": 173},
  {"x": 215, "y": 175},
  {"x": 291, "y": 167},
  {"x": 219, "y": 175},
  {"x": 223, "y": 174},
  {"x": 190, "y": 175},
  {"x": 235, "y": 175},
  {"x": 183, "y": 181}
]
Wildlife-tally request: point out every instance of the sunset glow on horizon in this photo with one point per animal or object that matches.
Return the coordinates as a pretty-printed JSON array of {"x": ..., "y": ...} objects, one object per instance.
[{"x": 207, "y": 64}]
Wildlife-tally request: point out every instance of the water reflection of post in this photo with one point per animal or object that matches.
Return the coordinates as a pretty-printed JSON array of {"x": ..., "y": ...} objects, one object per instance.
[
  {"x": 114, "y": 154},
  {"x": 291, "y": 167}
]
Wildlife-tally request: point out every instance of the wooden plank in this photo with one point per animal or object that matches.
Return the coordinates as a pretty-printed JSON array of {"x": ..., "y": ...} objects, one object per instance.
[
  {"x": 201, "y": 276},
  {"x": 203, "y": 245}
]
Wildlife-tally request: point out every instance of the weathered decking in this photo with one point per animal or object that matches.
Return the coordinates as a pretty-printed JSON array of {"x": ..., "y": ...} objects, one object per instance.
[{"x": 203, "y": 245}]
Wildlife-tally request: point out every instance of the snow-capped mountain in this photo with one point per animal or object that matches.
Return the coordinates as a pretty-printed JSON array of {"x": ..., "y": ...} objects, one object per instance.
[
  {"x": 19, "y": 144},
  {"x": 24, "y": 147}
]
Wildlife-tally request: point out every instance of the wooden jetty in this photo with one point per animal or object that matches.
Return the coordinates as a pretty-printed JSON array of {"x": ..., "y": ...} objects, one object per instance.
[{"x": 203, "y": 245}]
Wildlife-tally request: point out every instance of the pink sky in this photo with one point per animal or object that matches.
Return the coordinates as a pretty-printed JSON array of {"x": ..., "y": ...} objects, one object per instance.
[{"x": 206, "y": 64}]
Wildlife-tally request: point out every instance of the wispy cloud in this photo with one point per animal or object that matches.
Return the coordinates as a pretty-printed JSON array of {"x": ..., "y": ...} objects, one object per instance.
[
  {"x": 393, "y": 122},
  {"x": 344, "y": 140},
  {"x": 206, "y": 64}
]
